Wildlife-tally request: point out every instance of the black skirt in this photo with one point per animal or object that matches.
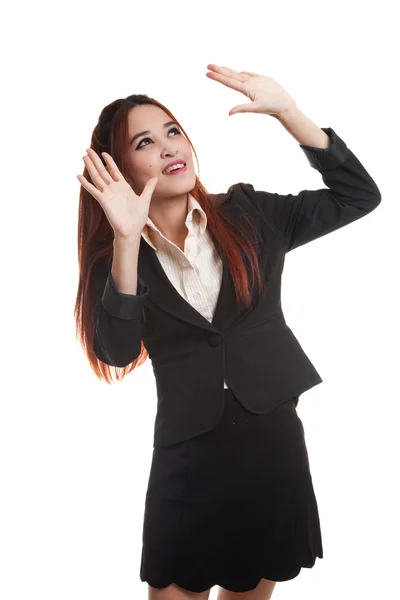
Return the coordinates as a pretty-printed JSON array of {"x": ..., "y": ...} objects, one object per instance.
[{"x": 232, "y": 505}]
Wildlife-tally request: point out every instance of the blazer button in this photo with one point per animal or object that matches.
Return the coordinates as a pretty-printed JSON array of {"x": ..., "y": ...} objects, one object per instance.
[{"x": 214, "y": 340}]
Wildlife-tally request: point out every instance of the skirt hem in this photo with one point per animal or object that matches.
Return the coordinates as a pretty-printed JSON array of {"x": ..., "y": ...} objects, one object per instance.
[{"x": 247, "y": 586}]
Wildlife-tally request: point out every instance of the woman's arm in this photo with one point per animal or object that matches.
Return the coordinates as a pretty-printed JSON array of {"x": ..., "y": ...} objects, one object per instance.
[
  {"x": 351, "y": 193},
  {"x": 305, "y": 131},
  {"x": 120, "y": 299}
]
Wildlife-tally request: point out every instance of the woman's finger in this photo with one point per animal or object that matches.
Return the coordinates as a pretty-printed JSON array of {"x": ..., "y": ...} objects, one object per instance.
[
  {"x": 103, "y": 172},
  {"x": 89, "y": 187},
  {"x": 230, "y": 73},
  {"x": 114, "y": 170},
  {"x": 251, "y": 74},
  {"x": 94, "y": 174},
  {"x": 230, "y": 82},
  {"x": 98, "y": 165}
]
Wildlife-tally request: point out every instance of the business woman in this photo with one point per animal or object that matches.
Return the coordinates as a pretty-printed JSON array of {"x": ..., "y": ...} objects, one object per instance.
[{"x": 188, "y": 278}]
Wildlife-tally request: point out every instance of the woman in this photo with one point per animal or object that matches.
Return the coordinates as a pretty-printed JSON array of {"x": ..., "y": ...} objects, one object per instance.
[{"x": 230, "y": 499}]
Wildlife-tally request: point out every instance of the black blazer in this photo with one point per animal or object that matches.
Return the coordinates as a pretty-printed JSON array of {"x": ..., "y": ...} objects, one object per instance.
[{"x": 254, "y": 350}]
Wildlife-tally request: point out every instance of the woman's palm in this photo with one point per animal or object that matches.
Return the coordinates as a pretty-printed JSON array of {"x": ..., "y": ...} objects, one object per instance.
[{"x": 126, "y": 212}]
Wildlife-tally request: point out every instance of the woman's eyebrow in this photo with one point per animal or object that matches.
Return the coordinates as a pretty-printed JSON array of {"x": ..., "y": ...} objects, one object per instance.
[{"x": 147, "y": 132}]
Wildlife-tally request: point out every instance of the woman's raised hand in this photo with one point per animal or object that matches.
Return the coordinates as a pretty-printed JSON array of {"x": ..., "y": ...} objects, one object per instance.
[{"x": 126, "y": 212}]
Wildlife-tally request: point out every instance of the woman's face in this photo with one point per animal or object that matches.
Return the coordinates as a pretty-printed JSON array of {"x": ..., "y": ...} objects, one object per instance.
[{"x": 150, "y": 153}]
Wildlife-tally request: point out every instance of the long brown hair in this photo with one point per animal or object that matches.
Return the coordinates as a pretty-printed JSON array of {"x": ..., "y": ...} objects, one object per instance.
[{"x": 95, "y": 234}]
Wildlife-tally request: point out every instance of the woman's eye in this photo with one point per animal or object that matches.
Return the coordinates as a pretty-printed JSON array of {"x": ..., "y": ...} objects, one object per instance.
[{"x": 144, "y": 139}]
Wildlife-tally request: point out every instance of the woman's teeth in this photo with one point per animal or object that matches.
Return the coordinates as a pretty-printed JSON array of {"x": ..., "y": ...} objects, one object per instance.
[{"x": 178, "y": 167}]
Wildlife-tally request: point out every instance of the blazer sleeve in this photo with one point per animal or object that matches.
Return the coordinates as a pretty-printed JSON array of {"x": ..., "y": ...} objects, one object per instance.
[
  {"x": 117, "y": 319},
  {"x": 351, "y": 193}
]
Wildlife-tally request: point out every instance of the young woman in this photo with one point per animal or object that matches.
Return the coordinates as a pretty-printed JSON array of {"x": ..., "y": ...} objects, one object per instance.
[{"x": 192, "y": 280}]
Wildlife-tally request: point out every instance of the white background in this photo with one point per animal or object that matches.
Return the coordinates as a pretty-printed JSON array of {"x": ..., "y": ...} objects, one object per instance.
[{"x": 75, "y": 452}]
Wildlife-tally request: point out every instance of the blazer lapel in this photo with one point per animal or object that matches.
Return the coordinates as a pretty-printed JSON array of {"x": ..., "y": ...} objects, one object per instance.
[{"x": 165, "y": 296}]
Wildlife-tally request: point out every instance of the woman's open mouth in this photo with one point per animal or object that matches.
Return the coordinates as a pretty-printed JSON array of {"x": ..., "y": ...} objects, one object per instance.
[{"x": 176, "y": 171}]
